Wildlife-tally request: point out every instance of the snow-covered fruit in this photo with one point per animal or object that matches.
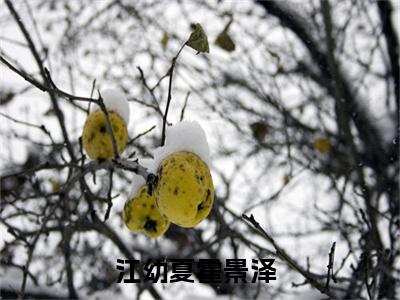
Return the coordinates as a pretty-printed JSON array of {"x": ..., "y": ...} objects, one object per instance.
[
  {"x": 184, "y": 191},
  {"x": 96, "y": 139},
  {"x": 141, "y": 214}
]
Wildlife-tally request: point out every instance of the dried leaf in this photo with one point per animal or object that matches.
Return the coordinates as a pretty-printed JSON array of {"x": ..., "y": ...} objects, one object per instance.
[
  {"x": 164, "y": 40},
  {"x": 286, "y": 179},
  {"x": 225, "y": 42},
  {"x": 198, "y": 39},
  {"x": 259, "y": 130},
  {"x": 322, "y": 145}
]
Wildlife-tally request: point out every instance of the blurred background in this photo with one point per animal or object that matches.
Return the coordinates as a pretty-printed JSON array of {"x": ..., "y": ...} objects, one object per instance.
[{"x": 300, "y": 104}]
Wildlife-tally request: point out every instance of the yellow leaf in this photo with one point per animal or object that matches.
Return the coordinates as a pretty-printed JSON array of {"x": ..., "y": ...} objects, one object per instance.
[
  {"x": 322, "y": 145},
  {"x": 164, "y": 40},
  {"x": 286, "y": 179},
  {"x": 55, "y": 185},
  {"x": 198, "y": 39}
]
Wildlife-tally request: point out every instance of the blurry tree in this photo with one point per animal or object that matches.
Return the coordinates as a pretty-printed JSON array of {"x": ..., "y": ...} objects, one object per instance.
[{"x": 301, "y": 105}]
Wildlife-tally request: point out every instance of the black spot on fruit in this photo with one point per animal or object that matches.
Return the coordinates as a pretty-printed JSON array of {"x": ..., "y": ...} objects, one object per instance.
[
  {"x": 150, "y": 225},
  {"x": 208, "y": 195},
  {"x": 152, "y": 206},
  {"x": 204, "y": 203},
  {"x": 176, "y": 191},
  {"x": 103, "y": 129},
  {"x": 200, "y": 206},
  {"x": 144, "y": 205}
]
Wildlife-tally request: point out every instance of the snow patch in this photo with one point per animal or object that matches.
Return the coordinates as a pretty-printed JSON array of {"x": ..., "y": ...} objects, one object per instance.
[
  {"x": 115, "y": 100},
  {"x": 183, "y": 136},
  {"x": 139, "y": 181}
]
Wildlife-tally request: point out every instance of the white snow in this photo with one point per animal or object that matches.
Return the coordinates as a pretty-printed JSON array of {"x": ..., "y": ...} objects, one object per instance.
[
  {"x": 115, "y": 100},
  {"x": 138, "y": 181},
  {"x": 183, "y": 136}
]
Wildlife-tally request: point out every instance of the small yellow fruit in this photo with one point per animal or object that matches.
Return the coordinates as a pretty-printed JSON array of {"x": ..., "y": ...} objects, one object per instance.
[
  {"x": 97, "y": 141},
  {"x": 185, "y": 190},
  {"x": 141, "y": 213}
]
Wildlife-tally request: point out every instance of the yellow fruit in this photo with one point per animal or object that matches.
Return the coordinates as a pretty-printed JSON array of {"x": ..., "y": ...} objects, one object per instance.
[
  {"x": 141, "y": 213},
  {"x": 97, "y": 141},
  {"x": 185, "y": 190},
  {"x": 323, "y": 145}
]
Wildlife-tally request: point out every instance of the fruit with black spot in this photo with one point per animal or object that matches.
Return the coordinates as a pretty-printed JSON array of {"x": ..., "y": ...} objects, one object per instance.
[
  {"x": 141, "y": 214},
  {"x": 185, "y": 190},
  {"x": 97, "y": 141}
]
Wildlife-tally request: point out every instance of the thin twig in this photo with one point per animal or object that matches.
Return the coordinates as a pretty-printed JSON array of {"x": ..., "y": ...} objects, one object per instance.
[
  {"x": 109, "y": 197},
  {"x": 109, "y": 127},
  {"x": 184, "y": 106},
  {"x": 330, "y": 266},
  {"x": 150, "y": 90},
  {"x": 284, "y": 256},
  {"x": 41, "y": 127},
  {"x": 170, "y": 72},
  {"x": 141, "y": 134}
]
